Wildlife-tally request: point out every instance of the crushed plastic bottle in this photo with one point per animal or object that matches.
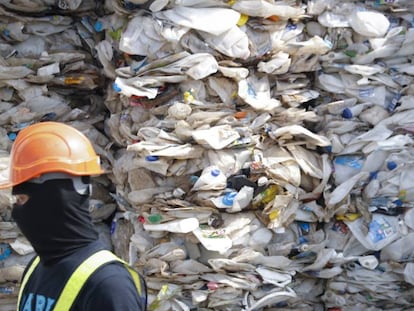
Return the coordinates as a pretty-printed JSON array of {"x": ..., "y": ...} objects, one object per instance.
[{"x": 211, "y": 178}]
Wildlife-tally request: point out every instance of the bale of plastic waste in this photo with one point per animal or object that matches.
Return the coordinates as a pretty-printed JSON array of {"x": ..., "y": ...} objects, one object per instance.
[{"x": 258, "y": 153}]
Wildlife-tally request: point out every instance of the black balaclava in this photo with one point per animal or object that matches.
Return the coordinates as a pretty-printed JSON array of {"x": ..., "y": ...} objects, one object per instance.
[{"x": 55, "y": 219}]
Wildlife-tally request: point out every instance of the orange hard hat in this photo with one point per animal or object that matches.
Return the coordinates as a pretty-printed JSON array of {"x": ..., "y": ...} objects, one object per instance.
[{"x": 48, "y": 147}]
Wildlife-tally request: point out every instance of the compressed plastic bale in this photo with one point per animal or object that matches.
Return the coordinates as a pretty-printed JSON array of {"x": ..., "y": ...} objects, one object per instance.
[{"x": 308, "y": 178}]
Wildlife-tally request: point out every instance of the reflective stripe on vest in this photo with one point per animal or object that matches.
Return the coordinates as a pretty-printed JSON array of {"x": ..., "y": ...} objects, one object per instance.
[
  {"x": 26, "y": 278},
  {"x": 79, "y": 277}
]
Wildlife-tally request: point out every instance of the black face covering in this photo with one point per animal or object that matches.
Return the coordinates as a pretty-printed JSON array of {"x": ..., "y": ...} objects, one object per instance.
[{"x": 55, "y": 219}]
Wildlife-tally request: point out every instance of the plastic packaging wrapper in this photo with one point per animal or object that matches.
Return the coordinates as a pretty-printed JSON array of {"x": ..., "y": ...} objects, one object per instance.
[{"x": 258, "y": 154}]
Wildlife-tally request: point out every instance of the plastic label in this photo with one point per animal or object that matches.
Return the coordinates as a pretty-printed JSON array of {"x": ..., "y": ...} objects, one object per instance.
[
  {"x": 380, "y": 229},
  {"x": 366, "y": 92},
  {"x": 73, "y": 80},
  {"x": 5, "y": 251},
  {"x": 340, "y": 227},
  {"x": 349, "y": 161}
]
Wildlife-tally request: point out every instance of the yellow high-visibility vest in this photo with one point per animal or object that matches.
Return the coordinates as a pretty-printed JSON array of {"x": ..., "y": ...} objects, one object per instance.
[{"x": 79, "y": 277}]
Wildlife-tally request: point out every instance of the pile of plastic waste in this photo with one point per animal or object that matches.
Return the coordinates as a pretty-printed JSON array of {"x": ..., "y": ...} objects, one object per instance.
[{"x": 259, "y": 154}]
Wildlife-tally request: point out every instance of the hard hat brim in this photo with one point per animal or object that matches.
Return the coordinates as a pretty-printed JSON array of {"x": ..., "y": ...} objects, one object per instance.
[{"x": 6, "y": 185}]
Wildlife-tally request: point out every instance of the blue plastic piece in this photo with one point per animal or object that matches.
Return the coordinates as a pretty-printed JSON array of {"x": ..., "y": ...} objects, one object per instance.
[
  {"x": 98, "y": 26},
  {"x": 347, "y": 113},
  {"x": 193, "y": 179},
  {"x": 391, "y": 165},
  {"x": 304, "y": 226},
  {"x": 327, "y": 149},
  {"x": 113, "y": 227},
  {"x": 116, "y": 87},
  {"x": 398, "y": 202},
  {"x": 5, "y": 251},
  {"x": 215, "y": 172},
  {"x": 151, "y": 158},
  {"x": 12, "y": 136},
  {"x": 228, "y": 198}
]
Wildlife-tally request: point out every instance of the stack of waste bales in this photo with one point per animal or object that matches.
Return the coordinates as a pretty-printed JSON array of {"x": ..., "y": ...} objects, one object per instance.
[{"x": 258, "y": 154}]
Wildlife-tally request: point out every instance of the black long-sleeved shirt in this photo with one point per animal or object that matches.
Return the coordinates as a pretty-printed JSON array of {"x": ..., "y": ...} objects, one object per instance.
[{"x": 109, "y": 288}]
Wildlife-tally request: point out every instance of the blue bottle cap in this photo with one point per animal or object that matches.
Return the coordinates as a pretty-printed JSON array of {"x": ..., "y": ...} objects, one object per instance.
[
  {"x": 373, "y": 175},
  {"x": 116, "y": 87},
  {"x": 228, "y": 198},
  {"x": 304, "y": 226},
  {"x": 398, "y": 202},
  {"x": 12, "y": 136},
  {"x": 193, "y": 179},
  {"x": 391, "y": 165},
  {"x": 327, "y": 149},
  {"x": 151, "y": 158},
  {"x": 215, "y": 172},
  {"x": 347, "y": 113},
  {"x": 98, "y": 26}
]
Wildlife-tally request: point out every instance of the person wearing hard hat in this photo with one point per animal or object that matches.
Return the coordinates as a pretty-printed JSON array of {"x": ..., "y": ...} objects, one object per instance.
[{"x": 51, "y": 165}]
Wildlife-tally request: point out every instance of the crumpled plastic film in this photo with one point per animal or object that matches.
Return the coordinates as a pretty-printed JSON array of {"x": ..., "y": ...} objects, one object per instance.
[{"x": 258, "y": 153}]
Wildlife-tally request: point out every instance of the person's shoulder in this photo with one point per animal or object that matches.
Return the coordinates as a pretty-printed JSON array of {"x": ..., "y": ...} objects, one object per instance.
[
  {"x": 113, "y": 288},
  {"x": 113, "y": 268}
]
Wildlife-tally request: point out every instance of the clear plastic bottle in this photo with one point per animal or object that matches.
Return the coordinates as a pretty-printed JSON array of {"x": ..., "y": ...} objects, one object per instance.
[
  {"x": 394, "y": 102},
  {"x": 226, "y": 200},
  {"x": 211, "y": 178},
  {"x": 185, "y": 225},
  {"x": 121, "y": 87},
  {"x": 352, "y": 112},
  {"x": 242, "y": 199}
]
